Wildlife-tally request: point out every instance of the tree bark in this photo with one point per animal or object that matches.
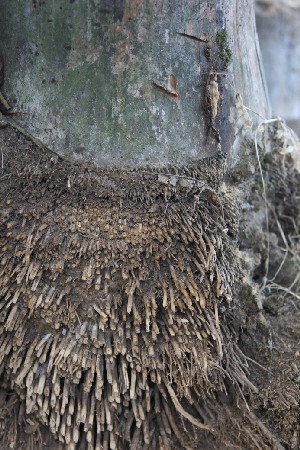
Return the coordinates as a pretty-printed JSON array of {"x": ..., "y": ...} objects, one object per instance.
[{"x": 90, "y": 78}]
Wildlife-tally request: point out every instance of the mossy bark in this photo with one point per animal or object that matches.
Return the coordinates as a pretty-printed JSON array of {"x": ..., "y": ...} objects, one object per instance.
[{"x": 83, "y": 75}]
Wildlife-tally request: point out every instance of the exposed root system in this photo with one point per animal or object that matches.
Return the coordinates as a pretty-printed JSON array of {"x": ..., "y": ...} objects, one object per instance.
[
  {"x": 114, "y": 285},
  {"x": 116, "y": 299},
  {"x": 277, "y": 251}
]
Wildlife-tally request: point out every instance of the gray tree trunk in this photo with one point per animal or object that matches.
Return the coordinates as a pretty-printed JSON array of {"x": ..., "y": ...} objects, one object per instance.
[{"x": 90, "y": 78}]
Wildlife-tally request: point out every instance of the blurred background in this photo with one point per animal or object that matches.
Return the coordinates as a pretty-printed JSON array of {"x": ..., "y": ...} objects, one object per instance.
[{"x": 278, "y": 27}]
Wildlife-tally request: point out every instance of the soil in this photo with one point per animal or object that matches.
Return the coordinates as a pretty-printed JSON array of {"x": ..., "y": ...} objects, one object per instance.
[{"x": 256, "y": 406}]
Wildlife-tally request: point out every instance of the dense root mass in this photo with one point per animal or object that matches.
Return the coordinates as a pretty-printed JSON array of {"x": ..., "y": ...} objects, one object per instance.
[
  {"x": 276, "y": 248},
  {"x": 114, "y": 286}
]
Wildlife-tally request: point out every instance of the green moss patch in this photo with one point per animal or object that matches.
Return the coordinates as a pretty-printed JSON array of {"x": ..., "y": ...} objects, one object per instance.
[{"x": 223, "y": 49}]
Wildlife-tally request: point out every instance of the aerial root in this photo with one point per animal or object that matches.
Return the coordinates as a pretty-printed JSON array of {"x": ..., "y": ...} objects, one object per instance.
[
  {"x": 255, "y": 420},
  {"x": 174, "y": 427},
  {"x": 182, "y": 411}
]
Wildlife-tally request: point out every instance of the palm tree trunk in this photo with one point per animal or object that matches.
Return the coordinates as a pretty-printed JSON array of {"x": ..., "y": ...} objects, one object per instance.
[{"x": 119, "y": 231}]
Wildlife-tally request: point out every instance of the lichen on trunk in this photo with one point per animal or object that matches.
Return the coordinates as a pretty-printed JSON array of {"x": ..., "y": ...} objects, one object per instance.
[{"x": 83, "y": 76}]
